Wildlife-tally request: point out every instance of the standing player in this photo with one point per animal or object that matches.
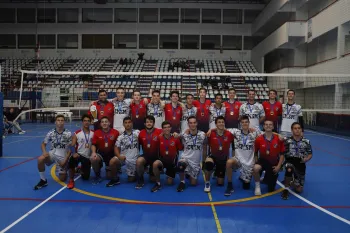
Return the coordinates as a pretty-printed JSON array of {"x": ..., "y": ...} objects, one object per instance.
[
  {"x": 101, "y": 108},
  {"x": 82, "y": 142},
  {"x": 203, "y": 113},
  {"x": 102, "y": 149},
  {"x": 291, "y": 113},
  {"x": 219, "y": 143},
  {"x": 138, "y": 111},
  {"x": 216, "y": 110},
  {"x": 156, "y": 108},
  {"x": 121, "y": 109},
  {"x": 187, "y": 111},
  {"x": 149, "y": 141},
  {"x": 298, "y": 153},
  {"x": 173, "y": 112},
  {"x": 60, "y": 140},
  {"x": 273, "y": 110},
  {"x": 195, "y": 147},
  {"x": 269, "y": 157},
  {"x": 232, "y": 110},
  {"x": 252, "y": 109},
  {"x": 169, "y": 148}
]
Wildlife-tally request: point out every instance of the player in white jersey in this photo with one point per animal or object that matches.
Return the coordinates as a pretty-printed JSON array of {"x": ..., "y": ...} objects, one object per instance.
[
  {"x": 217, "y": 109},
  {"x": 127, "y": 149},
  {"x": 291, "y": 112},
  {"x": 195, "y": 148},
  {"x": 156, "y": 108},
  {"x": 121, "y": 109},
  {"x": 187, "y": 111},
  {"x": 60, "y": 140},
  {"x": 254, "y": 110},
  {"x": 82, "y": 142}
]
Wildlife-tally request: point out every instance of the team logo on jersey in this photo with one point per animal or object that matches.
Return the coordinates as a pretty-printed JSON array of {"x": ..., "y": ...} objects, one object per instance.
[
  {"x": 155, "y": 138},
  {"x": 225, "y": 138},
  {"x": 111, "y": 137},
  {"x": 275, "y": 146},
  {"x": 172, "y": 143},
  {"x": 277, "y": 109},
  {"x": 236, "y": 106}
]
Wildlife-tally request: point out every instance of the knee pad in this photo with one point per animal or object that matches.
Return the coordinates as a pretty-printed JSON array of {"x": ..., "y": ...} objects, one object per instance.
[
  {"x": 181, "y": 166},
  {"x": 289, "y": 171},
  {"x": 246, "y": 186},
  {"x": 209, "y": 166}
]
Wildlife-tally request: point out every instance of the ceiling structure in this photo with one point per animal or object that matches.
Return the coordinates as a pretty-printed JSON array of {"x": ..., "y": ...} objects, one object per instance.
[{"x": 144, "y": 1}]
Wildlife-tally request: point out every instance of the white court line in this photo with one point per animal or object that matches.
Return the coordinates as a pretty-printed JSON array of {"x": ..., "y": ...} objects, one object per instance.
[
  {"x": 21, "y": 136},
  {"x": 6, "y": 143},
  {"x": 34, "y": 209},
  {"x": 328, "y": 135},
  {"x": 316, "y": 206}
]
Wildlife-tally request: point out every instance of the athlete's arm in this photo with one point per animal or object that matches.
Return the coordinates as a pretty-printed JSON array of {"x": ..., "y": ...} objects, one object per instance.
[
  {"x": 74, "y": 142},
  {"x": 93, "y": 152},
  {"x": 262, "y": 115},
  {"x": 277, "y": 168},
  {"x": 301, "y": 122},
  {"x": 117, "y": 154},
  {"x": 43, "y": 149}
]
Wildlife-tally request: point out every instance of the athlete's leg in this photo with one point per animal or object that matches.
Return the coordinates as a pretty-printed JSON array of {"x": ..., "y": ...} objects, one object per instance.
[
  {"x": 114, "y": 179},
  {"x": 157, "y": 166},
  {"x": 42, "y": 160},
  {"x": 256, "y": 174},
  {"x": 140, "y": 170},
  {"x": 231, "y": 164}
]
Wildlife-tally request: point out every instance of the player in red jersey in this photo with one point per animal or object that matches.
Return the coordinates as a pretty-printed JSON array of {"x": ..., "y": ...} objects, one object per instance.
[
  {"x": 138, "y": 110},
  {"x": 232, "y": 110},
  {"x": 169, "y": 148},
  {"x": 173, "y": 112},
  {"x": 273, "y": 110},
  {"x": 149, "y": 141},
  {"x": 101, "y": 108},
  {"x": 102, "y": 149},
  {"x": 269, "y": 156},
  {"x": 219, "y": 143},
  {"x": 203, "y": 113}
]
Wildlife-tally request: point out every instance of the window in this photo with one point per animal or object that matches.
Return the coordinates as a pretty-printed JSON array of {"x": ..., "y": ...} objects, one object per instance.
[
  {"x": 148, "y": 15},
  {"x": 26, "y": 41},
  {"x": 250, "y": 15},
  {"x": 232, "y": 16},
  {"x": 125, "y": 41},
  {"x": 169, "y": 15},
  {"x": 98, "y": 41},
  {"x": 210, "y": 42},
  {"x": 232, "y": 42},
  {"x": 251, "y": 41},
  {"x": 97, "y": 15},
  {"x": 47, "y": 41},
  {"x": 211, "y": 16},
  {"x": 26, "y": 15},
  {"x": 46, "y": 15},
  {"x": 190, "y": 15},
  {"x": 7, "y": 41},
  {"x": 7, "y": 15},
  {"x": 189, "y": 41},
  {"x": 68, "y": 15},
  {"x": 67, "y": 41},
  {"x": 168, "y": 41},
  {"x": 125, "y": 15},
  {"x": 347, "y": 44},
  {"x": 148, "y": 41}
]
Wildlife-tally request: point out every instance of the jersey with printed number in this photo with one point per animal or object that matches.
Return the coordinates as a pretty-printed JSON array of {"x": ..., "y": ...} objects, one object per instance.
[
  {"x": 129, "y": 145},
  {"x": 253, "y": 111},
  {"x": 297, "y": 149},
  {"x": 121, "y": 110},
  {"x": 59, "y": 142},
  {"x": 290, "y": 114},
  {"x": 84, "y": 141},
  {"x": 193, "y": 147},
  {"x": 186, "y": 113},
  {"x": 157, "y": 111},
  {"x": 214, "y": 113}
]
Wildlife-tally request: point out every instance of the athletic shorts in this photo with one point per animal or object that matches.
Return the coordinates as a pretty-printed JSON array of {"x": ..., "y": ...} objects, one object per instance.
[
  {"x": 130, "y": 166},
  {"x": 220, "y": 167},
  {"x": 53, "y": 158},
  {"x": 85, "y": 165},
  {"x": 170, "y": 169},
  {"x": 149, "y": 165},
  {"x": 192, "y": 171},
  {"x": 270, "y": 178},
  {"x": 105, "y": 158},
  {"x": 299, "y": 172},
  {"x": 246, "y": 170}
]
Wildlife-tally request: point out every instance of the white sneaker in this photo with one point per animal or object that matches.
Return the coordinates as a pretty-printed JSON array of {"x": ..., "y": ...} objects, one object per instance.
[
  {"x": 257, "y": 191},
  {"x": 207, "y": 188},
  {"x": 22, "y": 132}
]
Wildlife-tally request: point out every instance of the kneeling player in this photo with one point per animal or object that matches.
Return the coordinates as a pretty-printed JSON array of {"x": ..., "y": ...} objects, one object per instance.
[
  {"x": 219, "y": 143},
  {"x": 82, "y": 142},
  {"x": 169, "y": 148},
  {"x": 298, "y": 153},
  {"x": 60, "y": 140},
  {"x": 269, "y": 157}
]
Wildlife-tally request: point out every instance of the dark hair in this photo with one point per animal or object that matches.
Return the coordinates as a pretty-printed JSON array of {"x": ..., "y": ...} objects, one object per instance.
[
  {"x": 244, "y": 117},
  {"x": 104, "y": 118},
  {"x": 231, "y": 89},
  {"x": 174, "y": 92},
  {"x": 267, "y": 121},
  {"x": 251, "y": 90},
  {"x": 295, "y": 123},
  {"x": 291, "y": 91},
  {"x": 202, "y": 88},
  {"x": 191, "y": 117},
  {"x": 273, "y": 90},
  {"x": 220, "y": 118},
  {"x": 85, "y": 116},
  {"x": 165, "y": 123},
  {"x": 121, "y": 88},
  {"x": 218, "y": 94},
  {"x": 151, "y": 118},
  {"x": 102, "y": 91},
  {"x": 127, "y": 119},
  {"x": 189, "y": 95},
  {"x": 59, "y": 116},
  {"x": 134, "y": 91},
  {"x": 156, "y": 91}
]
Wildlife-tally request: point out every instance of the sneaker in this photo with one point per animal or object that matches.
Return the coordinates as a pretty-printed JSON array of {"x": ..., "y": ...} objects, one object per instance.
[
  {"x": 113, "y": 182},
  {"x": 97, "y": 180},
  {"x": 181, "y": 187},
  {"x": 285, "y": 194},
  {"x": 70, "y": 184},
  {"x": 21, "y": 132},
  {"x": 140, "y": 183},
  {"x": 257, "y": 191},
  {"x": 229, "y": 190},
  {"x": 207, "y": 187},
  {"x": 41, "y": 184},
  {"x": 156, "y": 187}
]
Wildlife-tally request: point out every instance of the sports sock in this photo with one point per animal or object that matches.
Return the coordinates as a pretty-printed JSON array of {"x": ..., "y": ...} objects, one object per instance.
[{"x": 42, "y": 175}]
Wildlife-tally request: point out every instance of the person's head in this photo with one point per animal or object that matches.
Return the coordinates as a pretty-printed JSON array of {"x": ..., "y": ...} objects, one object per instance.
[
  {"x": 218, "y": 98},
  {"x": 251, "y": 95},
  {"x": 127, "y": 123},
  {"x": 268, "y": 126},
  {"x": 166, "y": 127},
  {"x": 120, "y": 93},
  {"x": 136, "y": 95},
  {"x": 245, "y": 122},
  {"x": 59, "y": 120},
  {"x": 86, "y": 120},
  {"x": 156, "y": 96},
  {"x": 189, "y": 99},
  {"x": 296, "y": 129},
  {"x": 149, "y": 122},
  {"x": 202, "y": 92},
  {"x": 220, "y": 122},
  {"x": 192, "y": 123},
  {"x": 231, "y": 93},
  {"x": 174, "y": 96},
  {"x": 102, "y": 95},
  {"x": 290, "y": 94},
  {"x": 105, "y": 123},
  {"x": 12, "y": 110},
  {"x": 272, "y": 94}
]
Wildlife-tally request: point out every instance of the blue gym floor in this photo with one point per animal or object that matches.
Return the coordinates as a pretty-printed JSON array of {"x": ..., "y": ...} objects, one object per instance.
[{"x": 88, "y": 208}]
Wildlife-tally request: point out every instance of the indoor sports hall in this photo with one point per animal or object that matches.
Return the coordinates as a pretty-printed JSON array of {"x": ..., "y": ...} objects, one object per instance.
[{"x": 55, "y": 56}]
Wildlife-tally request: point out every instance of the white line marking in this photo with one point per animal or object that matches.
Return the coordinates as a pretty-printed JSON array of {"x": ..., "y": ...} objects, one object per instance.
[
  {"x": 331, "y": 136},
  {"x": 34, "y": 209},
  {"x": 316, "y": 206},
  {"x": 21, "y": 136},
  {"x": 18, "y": 141}
]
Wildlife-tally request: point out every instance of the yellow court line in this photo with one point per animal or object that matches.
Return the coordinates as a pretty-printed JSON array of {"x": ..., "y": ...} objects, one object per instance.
[{"x": 54, "y": 176}]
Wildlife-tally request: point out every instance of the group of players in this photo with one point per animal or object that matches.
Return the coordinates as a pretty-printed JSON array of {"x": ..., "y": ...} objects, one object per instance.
[{"x": 204, "y": 132}]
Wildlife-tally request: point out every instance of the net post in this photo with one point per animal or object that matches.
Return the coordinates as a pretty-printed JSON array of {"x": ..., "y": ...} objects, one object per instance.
[
  {"x": 2, "y": 118},
  {"x": 21, "y": 90}
]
